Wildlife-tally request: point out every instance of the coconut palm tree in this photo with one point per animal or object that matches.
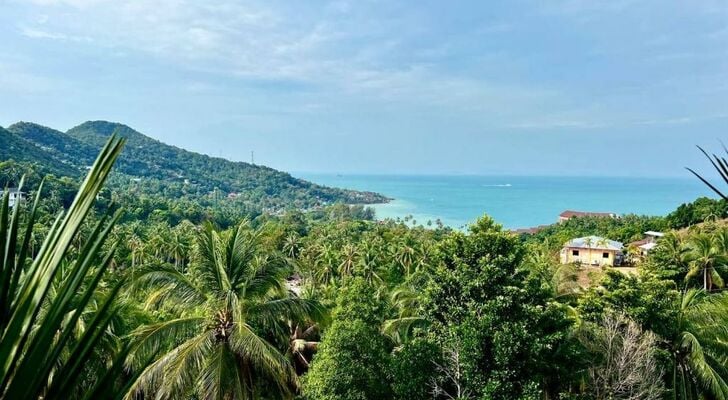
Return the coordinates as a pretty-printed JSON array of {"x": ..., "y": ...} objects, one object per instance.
[
  {"x": 291, "y": 245},
  {"x": 349, "y": 257},
  {"x": 699, "y": 347},
  {"x": 405, "y": 254},
  {"x": 226, "y": 341},
  {"x": 368, "y": 265},
  {"x": 325, "y": 264},
  {"x": 705, "y": 258},
  {"x": 673, "y": 248},
  {"x": 405, "y": 300},
  {"x": 562, "y": 280}
]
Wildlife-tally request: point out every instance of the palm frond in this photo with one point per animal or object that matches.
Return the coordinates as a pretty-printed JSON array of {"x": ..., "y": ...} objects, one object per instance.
[
  {"x": 150, "y": 339},
  {"x": 707, "y": 377},
  {"x": 263, "y": 356},
  {"x": 175, "y": 371},
  {"x": 720, "y": 165}
]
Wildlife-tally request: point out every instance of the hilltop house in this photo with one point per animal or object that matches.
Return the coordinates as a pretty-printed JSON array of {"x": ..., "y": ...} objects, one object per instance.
[
  {"x": 644, "y": 246},
  {"x": 15, "y": 196},
  {"x": 592, "y": 250},
  {"x": 568, "y": 214}
]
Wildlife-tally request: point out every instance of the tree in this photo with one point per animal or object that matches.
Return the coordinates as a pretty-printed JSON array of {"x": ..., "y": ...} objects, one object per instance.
[
  {"x": 413, "y": 369},
  {"x": 626, "y": 364},
  {"x": 704, "y": 259},
  {"x": 235, "y": 310},
  {"x": 511, "y": 339},
  {"x": 690, "y": 325},
  {"x": 349, "y": 259},
  {"x": 699, "y": 348},
  {"x": 670, "y": 259},
  {"x": 353, "y": 359}
]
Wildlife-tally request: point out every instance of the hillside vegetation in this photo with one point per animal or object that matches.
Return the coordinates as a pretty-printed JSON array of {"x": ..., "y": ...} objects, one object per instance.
[{"x": 152, "y": 167}]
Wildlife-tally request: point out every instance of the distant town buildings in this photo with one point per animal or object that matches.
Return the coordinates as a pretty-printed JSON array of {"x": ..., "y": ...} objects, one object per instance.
[{"x": 592, "y": 250}]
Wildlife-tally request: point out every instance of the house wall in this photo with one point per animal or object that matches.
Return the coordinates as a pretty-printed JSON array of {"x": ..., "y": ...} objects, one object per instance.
[{"x": 588, "y": 256}]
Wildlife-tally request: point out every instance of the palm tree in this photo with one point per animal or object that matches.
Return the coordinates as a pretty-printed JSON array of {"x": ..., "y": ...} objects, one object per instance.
[
  {"x": 325, "y": 264},
  {"x": 704, "y": 258},
  {"x": 291, "y": 245},
  {"x": 699, "y": 348},
  {"x": 562, "y": 279},
  {"x": 405, "y": 300},
  {"x": 721, "y": 241},
  {"x": 178, "y": 247},
  {"x": 304, "y": 341},
  {"x": 349, "y": 256},
  {"x": 404, "y": 254},
  {"x": 234, "y": 310},
  {"x": 674, "y": 252},
  {"x": 368, "y": 265},
  {"x": 136, "y": 246}
]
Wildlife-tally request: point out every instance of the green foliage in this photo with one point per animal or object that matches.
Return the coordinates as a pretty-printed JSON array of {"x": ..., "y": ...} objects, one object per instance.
[
  {"x": 44, "y": 295},
  {"x": 353, "y": 361},
  {"x": 624, "y": 229},
  {"x": 413, "y": 369},
  {"x": 229, "y": 314},
  {"x": 216, "y": 308},
  {"x": 509, "y": 339},
  {"x": 151, "y": 171},
  {"x": 700, "y": 210}
]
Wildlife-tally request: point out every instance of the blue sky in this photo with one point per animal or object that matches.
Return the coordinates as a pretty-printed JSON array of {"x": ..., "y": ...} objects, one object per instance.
[{"x": 499, "y": 87}]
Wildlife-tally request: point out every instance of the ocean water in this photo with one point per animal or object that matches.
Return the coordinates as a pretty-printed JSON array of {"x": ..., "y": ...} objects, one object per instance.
[{"x": 519, "y": 201}]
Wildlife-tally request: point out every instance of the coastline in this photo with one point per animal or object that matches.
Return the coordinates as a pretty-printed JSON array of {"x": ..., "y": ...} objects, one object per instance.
[{"x": 515, "y": 202}]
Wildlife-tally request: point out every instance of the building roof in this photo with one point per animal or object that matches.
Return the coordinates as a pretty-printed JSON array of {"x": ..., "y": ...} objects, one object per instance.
[
  {"x": 594, "y": 243},
  {"x": 654, "y": 233},
  {"x": 638, "y": 243},
  {"x": 572, "y": 213},
  {"x": 531, "y": 230},
  {"x": 648, "y": 246}
]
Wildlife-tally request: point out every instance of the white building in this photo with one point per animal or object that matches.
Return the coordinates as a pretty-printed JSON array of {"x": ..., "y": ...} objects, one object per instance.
[{"x": 15, "y": 196}]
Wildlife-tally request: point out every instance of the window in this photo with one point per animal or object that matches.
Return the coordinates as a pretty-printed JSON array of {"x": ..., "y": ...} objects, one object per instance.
[
  {"x": 605, "y": 255},
  {"x": 575, "y": 253}
]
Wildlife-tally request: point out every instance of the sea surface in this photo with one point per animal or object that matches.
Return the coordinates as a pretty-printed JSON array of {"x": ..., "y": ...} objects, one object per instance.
[{"x": 516, "y": 202}]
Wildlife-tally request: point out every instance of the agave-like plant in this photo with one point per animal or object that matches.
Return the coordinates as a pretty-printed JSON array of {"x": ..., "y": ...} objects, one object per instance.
[
  {"x": 42, "y": 354},
  {"x": 720, "y": 164}
]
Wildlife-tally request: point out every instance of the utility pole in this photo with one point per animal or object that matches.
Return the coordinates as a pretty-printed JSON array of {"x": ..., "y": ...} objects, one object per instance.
[{"x": 252, "y": 157}]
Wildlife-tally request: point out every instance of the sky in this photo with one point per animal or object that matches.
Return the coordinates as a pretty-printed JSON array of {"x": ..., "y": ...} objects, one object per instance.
[{"x": 572, "y": 87}]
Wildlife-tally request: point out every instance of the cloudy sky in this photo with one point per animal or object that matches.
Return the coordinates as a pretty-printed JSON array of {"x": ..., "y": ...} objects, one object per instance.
[{"x": 575, "y": 87}]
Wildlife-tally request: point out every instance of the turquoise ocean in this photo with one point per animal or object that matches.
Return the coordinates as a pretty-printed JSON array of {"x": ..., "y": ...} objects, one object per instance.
[{"x": 517, "y": 201}]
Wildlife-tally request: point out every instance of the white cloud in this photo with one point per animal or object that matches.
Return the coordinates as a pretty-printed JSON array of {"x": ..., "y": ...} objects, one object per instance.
[
  {"x": 41, "y": 34},
  {"x": 351, "y": 52}
]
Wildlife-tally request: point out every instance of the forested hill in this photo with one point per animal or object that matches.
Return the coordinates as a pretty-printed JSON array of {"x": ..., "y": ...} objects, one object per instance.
[{"x": 160, "y": 168}]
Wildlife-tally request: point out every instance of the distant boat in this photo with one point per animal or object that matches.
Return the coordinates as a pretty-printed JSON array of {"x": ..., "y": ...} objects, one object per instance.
[{"x": 499, "y": 185}]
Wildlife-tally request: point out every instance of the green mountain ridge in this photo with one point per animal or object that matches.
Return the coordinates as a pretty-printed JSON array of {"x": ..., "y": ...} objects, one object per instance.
[{"x": 167, "y": 169}]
